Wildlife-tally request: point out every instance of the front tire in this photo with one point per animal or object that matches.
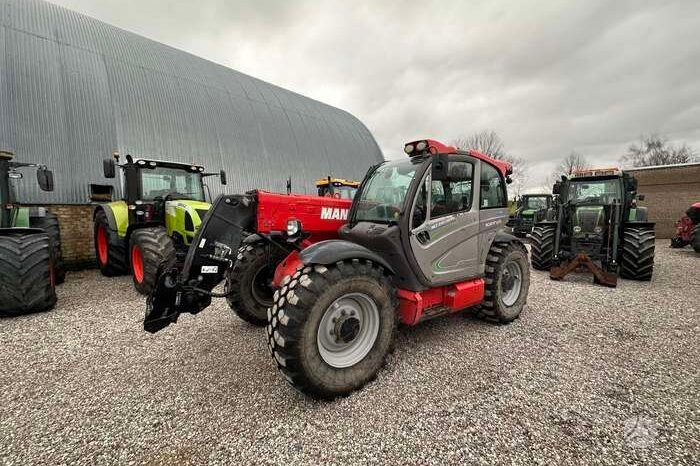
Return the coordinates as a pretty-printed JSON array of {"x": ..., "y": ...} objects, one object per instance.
[
  {"x": 353, "y": 303},
  {"x": 638, "y": 244},
  {"x": 27, "y": 282},
  {"x": 542, "y": 246},
  {"x": 250, "y": 281},
  {"x": 109, "y": 248},
  {"x": 507, "y": 280},
  {"x": 149, "y": 248}
]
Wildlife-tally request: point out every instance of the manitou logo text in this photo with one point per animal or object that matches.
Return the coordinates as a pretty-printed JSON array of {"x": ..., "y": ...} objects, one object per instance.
[{"x": 331, "y": 213}]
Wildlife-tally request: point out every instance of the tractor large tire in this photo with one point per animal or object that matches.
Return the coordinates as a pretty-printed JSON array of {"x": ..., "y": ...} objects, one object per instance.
[
  {"x": 331, "y": 327},
  {"x": 507, "y": 280},
  {"x": 637, "y": 253},
  {"x": 250, "y": 281},
  {"x": 149, "y": 249},
  {"x": 695, "y": 238},
  {"x": 542, "y": 246},
  {"x": 109, "y": 248},
  {"x": 26, "y": 276},
  {"x": 49, "y": 223}
]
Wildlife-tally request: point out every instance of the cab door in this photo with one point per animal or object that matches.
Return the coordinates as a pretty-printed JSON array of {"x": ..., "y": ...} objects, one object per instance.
[
  {"x": 493, "y": 209},
  {"x": 444, "y": 229}
]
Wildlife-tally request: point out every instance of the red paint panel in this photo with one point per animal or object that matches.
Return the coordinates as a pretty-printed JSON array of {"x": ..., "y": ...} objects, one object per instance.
[
  {"x": 465, "y": 294},
  {"x": 412, "y": 304},
  {"x": 287, "y": 267},
  {"x": 319, "y": 216}
]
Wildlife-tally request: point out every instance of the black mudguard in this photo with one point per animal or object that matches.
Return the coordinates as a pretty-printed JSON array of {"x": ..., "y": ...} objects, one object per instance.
[
  {"x": 503, "y": 237},
  {"x": 334, "y": 250},
  {"x": 209, "y": 257}
]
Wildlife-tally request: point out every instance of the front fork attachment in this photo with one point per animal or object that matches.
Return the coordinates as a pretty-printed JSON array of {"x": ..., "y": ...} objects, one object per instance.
[{"x": 208, "y": 261}]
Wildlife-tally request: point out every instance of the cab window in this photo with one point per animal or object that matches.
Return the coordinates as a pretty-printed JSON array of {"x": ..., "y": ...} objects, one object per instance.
[
  {"x": 493, "y": 188},
  {"x": 448, "y": 196}
]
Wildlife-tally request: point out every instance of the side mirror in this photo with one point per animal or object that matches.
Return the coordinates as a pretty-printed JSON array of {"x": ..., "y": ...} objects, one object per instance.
[
  {"x": 556, "y": 189},
  {"x": 440, "y": 169},
  {"x": 109, "y": 167},
  {"x": 222, "y": 177},
  {"x": 640, "y": 197},
  {"x": 45, "y": 179}
]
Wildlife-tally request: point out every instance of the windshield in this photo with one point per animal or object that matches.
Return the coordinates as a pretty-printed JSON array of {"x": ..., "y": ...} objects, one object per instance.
[
  {"x": 161, "y": 181},
  {"x": 595, "y": 192},
  {"x": 535, "y": 203},
  {"x": 382, "y": 197}
]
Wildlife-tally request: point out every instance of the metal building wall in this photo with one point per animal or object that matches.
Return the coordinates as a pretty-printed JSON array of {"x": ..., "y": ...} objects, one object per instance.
[{"x": 73, "y": 90}]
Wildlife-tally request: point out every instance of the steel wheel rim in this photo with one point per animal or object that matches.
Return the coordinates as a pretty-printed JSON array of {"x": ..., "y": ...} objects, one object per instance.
[
  {"x": 102, "y": 244},
  {"x": 348, "y": 330},
  {"x": 512, "y": 276},
  {"x": 137, "y": 263}
]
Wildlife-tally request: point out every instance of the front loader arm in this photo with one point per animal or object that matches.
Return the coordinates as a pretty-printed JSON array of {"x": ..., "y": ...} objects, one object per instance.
[{"x": 208, "y": 260}]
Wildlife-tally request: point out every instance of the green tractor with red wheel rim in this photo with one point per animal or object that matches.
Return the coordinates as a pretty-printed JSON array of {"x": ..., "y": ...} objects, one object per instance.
[
  {"x": 31, "y": 262},
  {"x": 162, "y": 206}
]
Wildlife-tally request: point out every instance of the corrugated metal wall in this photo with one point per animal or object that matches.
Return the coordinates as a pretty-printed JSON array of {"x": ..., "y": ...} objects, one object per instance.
[{"x": 73, "y": 90}]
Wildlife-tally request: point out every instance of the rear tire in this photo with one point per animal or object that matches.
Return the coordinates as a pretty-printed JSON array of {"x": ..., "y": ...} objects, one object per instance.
[
  {"x": 49, "y": 223},
  {"x": 26, "y": 277},
  {"x": 360, "y": 299},
  {"x": 638, "y": 245},
  {"x": 542, "y": 246},
  {"x": 110, "y": 250},
  {"x": 149, "y": 248},
  {"x": 695, "y": 238},
  {"x": 507, "y": 282},
  {"x": 250, "y": 281}
]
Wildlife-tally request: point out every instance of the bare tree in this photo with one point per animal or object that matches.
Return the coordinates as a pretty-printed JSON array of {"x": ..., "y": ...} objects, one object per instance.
[
  {"x": 571, "y": 163},
  {"x": 656, "y": 150},
  {"x": 491, "y": 144},
  {"x": 486, "y": 141}
]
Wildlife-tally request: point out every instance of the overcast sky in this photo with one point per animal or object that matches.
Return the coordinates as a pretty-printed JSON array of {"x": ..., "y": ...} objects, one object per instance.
[{"x": 548, "y": 77}]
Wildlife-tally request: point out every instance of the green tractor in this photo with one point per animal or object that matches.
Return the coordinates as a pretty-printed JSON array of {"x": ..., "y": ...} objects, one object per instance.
[
  {"x": 597, "y": 225},
  {"x": 530, "y": 209},
  {"x": 31, "y": 263},
  {"x": 162, "y": 206}
]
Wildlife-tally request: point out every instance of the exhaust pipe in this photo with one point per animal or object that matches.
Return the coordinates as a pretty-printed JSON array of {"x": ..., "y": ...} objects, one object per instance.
[{"x": 209, "y": 258}]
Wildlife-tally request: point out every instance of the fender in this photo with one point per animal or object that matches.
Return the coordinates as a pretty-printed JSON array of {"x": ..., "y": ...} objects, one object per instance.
[
  {"x": 334, "y": 250},
  {"x": 503, "y": 237},
  {"x": 117, "y": 216}
]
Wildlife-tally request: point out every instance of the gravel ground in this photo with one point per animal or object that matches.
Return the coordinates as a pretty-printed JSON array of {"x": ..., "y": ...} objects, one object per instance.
[{"x": 566, "y": 383}]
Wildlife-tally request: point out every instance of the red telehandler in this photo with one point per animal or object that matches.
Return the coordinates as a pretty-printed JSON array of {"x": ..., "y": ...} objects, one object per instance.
[{"x": 423, "y": 238}]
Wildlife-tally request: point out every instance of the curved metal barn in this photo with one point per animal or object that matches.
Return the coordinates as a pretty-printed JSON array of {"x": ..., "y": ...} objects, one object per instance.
[{"x": 73, "y": 90}]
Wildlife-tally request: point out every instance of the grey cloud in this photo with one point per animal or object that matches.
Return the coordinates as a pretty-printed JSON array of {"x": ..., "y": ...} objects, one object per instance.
[{"x": 549, "y": 77}]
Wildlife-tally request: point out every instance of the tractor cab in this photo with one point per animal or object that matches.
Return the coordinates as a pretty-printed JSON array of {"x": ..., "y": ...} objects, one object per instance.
[
  {"x": 338, "y": 188},
  {"x": 11, "y": 215},
  {"x": 156, "y": 192},
  {"x": 431, "y": 214}
]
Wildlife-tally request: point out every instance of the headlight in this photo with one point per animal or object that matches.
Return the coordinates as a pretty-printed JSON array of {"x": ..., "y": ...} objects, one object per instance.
[
  {"x": 293, "y": 227},
  {"x": 577, "y": 229},
  {"x": 408, "y": 148},
  {"x": 421, "y": 146},
  {"x": 598, "y": 230}
]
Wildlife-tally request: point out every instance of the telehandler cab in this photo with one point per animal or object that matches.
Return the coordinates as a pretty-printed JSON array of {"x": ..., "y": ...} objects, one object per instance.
[
  {"x": 422, "y": 239},
  {"x": 598, "y": 226},
  {"x": 162, "y": 206},
  {"x": 31, "y": 262}
]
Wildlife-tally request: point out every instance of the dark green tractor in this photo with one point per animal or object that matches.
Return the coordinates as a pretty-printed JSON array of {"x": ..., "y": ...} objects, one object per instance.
[
  {"x": 597, "y": 225},
  {"x": 31, "y": 263},
  {"x": 531, "y": 208}
]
